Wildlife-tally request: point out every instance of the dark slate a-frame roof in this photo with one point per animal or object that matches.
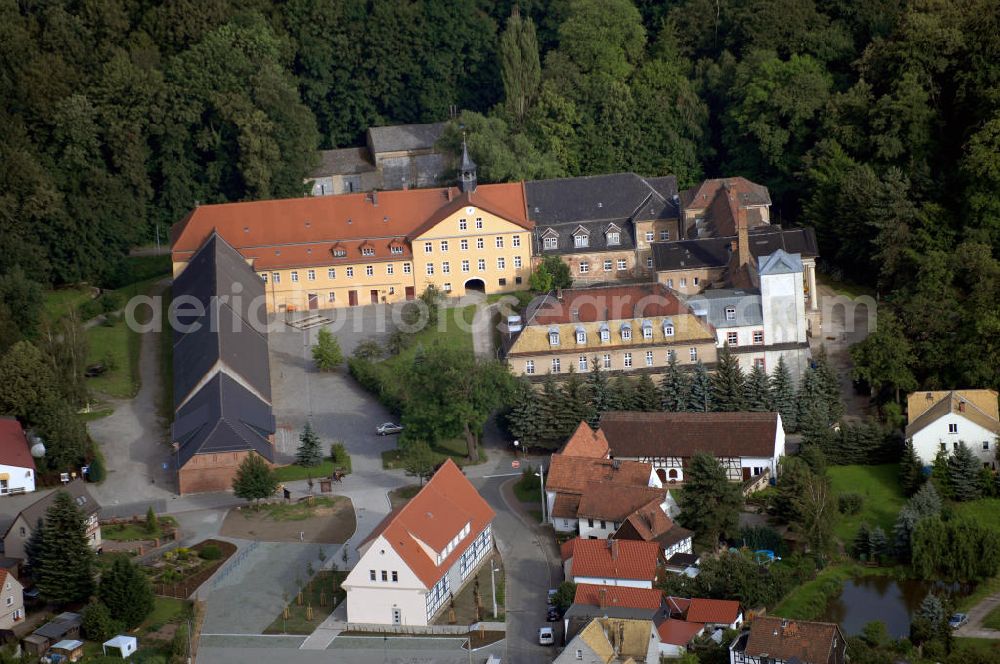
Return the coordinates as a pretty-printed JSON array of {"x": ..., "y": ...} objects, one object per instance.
[
  {"x": 223, "y": 416},
  {"x": 617, "y": 197},
  {"x": 716, "y": 251},
  {"x": 218, "y": 270}
]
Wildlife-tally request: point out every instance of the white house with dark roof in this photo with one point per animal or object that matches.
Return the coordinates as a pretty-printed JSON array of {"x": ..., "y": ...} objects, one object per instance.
[
  {"x": 937, "y": 421},
  {"x": 17, "y": 467}
]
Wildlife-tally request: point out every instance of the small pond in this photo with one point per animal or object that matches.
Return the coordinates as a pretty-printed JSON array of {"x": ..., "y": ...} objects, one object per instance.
[{"x": 869, "y": 598}]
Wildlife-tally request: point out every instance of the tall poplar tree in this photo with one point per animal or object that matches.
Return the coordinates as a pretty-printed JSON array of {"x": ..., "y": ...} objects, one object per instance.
[{"x": 520, "y": 67}]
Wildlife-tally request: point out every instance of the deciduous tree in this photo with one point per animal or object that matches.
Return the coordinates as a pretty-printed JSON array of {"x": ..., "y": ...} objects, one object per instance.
[
  {"x": 326, "y": 352},
  {"x": 255, "y": 480}
]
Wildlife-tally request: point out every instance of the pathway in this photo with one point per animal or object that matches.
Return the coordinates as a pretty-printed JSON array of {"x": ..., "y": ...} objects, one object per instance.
[
  {"x": 837, "y": 340},
  {"x": 977, "y": 614}
]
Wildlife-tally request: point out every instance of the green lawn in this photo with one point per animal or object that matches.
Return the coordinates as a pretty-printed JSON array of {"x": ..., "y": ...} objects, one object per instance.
[
  {"x": 987, "y": 650},
  {"x": 453, "y": 330},
  {"x": 119, "y": 346},
  {"x": 324, "y": 469},
  {"x": 808, "y": 601},
  {"x": 297, "y": 511},
  {"x": 883, "y": 497},
  {"x": 58, "y": 303},
  {"x": 131, "y": 532},
  {"x": 982, "y": 591},
  {"x": 527, "y": 489},
  {"x": 165, "y": 609},
  {"x": 455, "y": 448},
  {"x": 985, "y": 511}
]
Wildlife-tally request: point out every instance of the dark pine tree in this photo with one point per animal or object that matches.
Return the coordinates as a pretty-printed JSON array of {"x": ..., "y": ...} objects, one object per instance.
[
  {"x": 700, "y": 396},
  {"x": 783, "y": 395},
  {"x": 829, "y": 384},
  {"x": 622, "y": 393},
  {"x": 810, "y": 398},
  {"x": 647, "y": 398},
  {"x": 64, "y": 567},
  {"x": 675, "y": 388},
  {"x": 125, "y": 590},
  {"x": 600, "y": 391},
  {"x": 522, "y": 418},
  {"x": 758, "y": 391},
  {"x": 911, "y": 470},
  {"x": 309, "y": 453},
  {"x": 728, "y": 389},
  {"x": 575, "y": 404},
  {"x": 964, "y": 471}
]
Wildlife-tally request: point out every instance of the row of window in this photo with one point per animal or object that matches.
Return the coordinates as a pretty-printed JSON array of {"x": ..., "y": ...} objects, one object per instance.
[
  {"x": 582, "y": 363},
  {"x": 733, "y": 338},
  {"x": 385, "y": 576},
  {"x": 605, "y": 331},
  {"x": 463, "y": 224},
  {"x": 480, "y": 265},
  {"x": 498, "y": 242},
  {"x": 683, "y": 282},
  {"x": 462, "y": 534},
  {"x": 944, "y": 446},
  {"x": 585, "y": 265},
  {"x": 331, "y": 273}
]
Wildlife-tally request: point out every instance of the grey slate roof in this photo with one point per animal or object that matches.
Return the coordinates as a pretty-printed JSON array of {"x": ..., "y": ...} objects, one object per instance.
[
  {"x": 77, "y": 489},
  {"x": 615, "y": 197},
  {"x": 223, "y": 416},
  {"x": 715, "y": 252},
  {"x": 399, "y": 138},
  {"x": 714, "y": 302},
  {"x": 780, "y": 262},
  {"x": 342, "y": 161},
  {"x": 222, "y": 336},
  {"x": 596, "y": 233},
  {"x": 217, "y": 269}
]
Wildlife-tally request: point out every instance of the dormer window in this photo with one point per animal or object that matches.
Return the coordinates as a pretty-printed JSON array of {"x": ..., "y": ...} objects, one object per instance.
[
  {"x": 396, "y": 249},
  {"x": 581, "y": 241},
  {"x": 581, "y": 335},
  {"x": 626, "y": 332},
  {"x": 647, "y": 330},
  {"x": 367, "y": 251},
  {"x": 553, "y": 337},
  {"x": 730, "y": 313},
  {"x": 668, "y": 328},
  {"x": 549, "y": 243},
  {"x": 605, "y": 333},
  {"x": 614, "y": 237},
  {"x": 339, "y": 252}
]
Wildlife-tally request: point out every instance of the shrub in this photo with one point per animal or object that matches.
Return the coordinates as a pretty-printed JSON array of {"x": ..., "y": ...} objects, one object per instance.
[
  {"x": 182, "y": 553},
  {"x": 850, "y": 503},
  {"x": 89, "y": 309},
  {"x": 96, "y": 473},
  {"x": 111, "y": 301},
  {"x": 179, "y": 645},
  {"x": 97, "y": 623},
  {"x": 210, "y": 552}
]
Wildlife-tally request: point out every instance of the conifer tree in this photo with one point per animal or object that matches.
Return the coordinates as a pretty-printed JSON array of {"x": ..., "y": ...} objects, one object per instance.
[
  {"x": 33, "y": 547},
  {"x": 522, "y": 419},
  {"x": 64, "y": 566},
  {"x": 783, "y": 395},
  {"x": 728, "y": 389},
  {"x": 309, "y": 453},
  {"x": 548, "y": 416},
  {"x": 710, "y": 503},
  {"x": 964, "y": 472},
  {"x": 574, "y": 404},
  {"x": 700, "y": 396},
  {"x": 326, "y": 353},
  {"x": 809, "y": 397},
  {"x": 674, "y": 388},
  {"x": 941, "y": 474},
  {"x": 647, "y": 398},
  {"x": 125, "y": 590},
  {"x": 829, "y": 384},
  {"x": 622, "y": 393},
  {"x": 600, "y": 391},
  {"x": 861, "y": 545},
  {"x": 758, "y": 391},
  {"x": 878, "y": 544}
]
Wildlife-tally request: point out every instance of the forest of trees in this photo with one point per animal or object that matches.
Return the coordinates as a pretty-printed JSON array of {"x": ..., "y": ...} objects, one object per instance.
[{"x": 876, "y": 122}]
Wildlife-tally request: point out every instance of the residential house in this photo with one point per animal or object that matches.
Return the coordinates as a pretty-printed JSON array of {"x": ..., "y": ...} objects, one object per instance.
[
  {"x": 376, "y": 247},
  {"x": 764, "y": 322},
  {"x": 421, "y": 554},
  {"x": 11, "y": 600},
  {"x": 603, "y": 225},
  {"x": 599, "y": 601},
  {"x": 676, "y": 635},
  {"x": 613, "y": 641},
  {"x": 17, "y": 466},
  {"x": 746, "y": 444},
  {"x": 715, "y": 613},
  {"x": 711, "y": 208},
  {"x": 394, "y": 157},
  {"x": 613, "y": 562},
  {"x": 568, "y": 478},
  {"x": 605, "y": 506},
  {"x": 28, "y": 519},
  {"x": 651, "y": 523},
  {"x": 586, "y": 442},
  {"x": 629, "y": 328},
  {"x": 782, "y": 641},
  {"x": 222, "y": 380},
  {"x": 937, "y": 421}
]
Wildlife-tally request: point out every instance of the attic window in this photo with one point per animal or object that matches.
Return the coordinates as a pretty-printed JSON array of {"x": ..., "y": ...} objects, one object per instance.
[
  {"x": 600, "y": 205},
  {"x": 668, "y": 328},
  {"x": 246, "y": 229},
  {"x": 581, "y": 240},
  {"x": 614, "y": 237},
  {"x": 605, "y": 333},
  {"x": 549, "y": 243},
  {"x": 581, "y": 335},
  {"x": 367, "y": 251},
  {"x": 396, "y": 249},
  {"x": 339, "y": 253},
  {"x": 647, "y": 330},
  {"x": 553, "y": 337},
  {"x": 626, "y": 332},
  {"x": 277, "y": 252},
  {"x": 730, "y": 313}
]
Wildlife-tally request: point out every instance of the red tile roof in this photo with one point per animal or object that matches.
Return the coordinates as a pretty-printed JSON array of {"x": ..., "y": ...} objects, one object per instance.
[
  {"x": 615, "y": 501},
  {"x": 435, "y": 516},
  {"x": 649, "y": 521},
  {"x": 811, "y": 642},
  {"x": 305, "y": 230},
  {"x": 566, "y": 505},
  {"x": 678, "y": 632},
  {"x": 718, "y": 611},
  {"x": 585, "y": 442},
  {"x": 590, "y": 305},
  {"x": 14, "y": 449},
  {"x": 677, "y": 605},
  {"x": 566, "y": 549},
  {"x": 615, "y": 559},
  {"x": 573, "y": 474},
  {"x": 618, "y": 596},
  {"x": 632, "y": 434}
]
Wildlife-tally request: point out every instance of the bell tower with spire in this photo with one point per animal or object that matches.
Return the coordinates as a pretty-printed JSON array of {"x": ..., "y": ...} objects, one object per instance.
[{"x": 466, "y": 171}]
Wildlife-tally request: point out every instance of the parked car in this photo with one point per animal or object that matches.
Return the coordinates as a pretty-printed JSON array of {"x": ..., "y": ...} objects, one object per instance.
[
  {"x": 552, "y": 615},
  {"x": 958, "y": 620},
  {"x": 545, "y": 636},
  {"x": 388, "y": 428}
]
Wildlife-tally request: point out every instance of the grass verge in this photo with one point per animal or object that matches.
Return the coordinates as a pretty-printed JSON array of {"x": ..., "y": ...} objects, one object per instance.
[
  {"x": 297, "y": 511},
  {"x": 528, "y": 489},
  {"x": 985, "y": 511},
  {"x": 132, "y": 532},
  {"x": 117, "y": 347},
  {"x": 982, "y": 591},
  {"x": 809, "y": 601},
  {"x": 878, "y": 486},
  {"x": 58, "y": 303},
  {"x": 321, "y": 594},
  {"x": 401, "y": 496},
  {"x": 293, "y": 472},
  {"x": 455, "y": 449}
]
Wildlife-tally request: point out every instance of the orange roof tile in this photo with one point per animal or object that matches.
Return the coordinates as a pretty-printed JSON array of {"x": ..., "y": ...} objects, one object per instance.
[
  {"x": 585, "y": 442},
  {"x": 435, "y": 516},
  {"x": 783, "y": 639},
  {"x": 615, "y": 559},
  {"x": 566, "y": 549},
  {"x": 678, "y": 632},
  {"x": 618, "y": 596},
  {"x": 566, "y": 505},
  {"x": 718, "y": 611},
  {"x": 649, "y": 521},
  {"x": 304, "y": 230},
  {"x": 572, "y": 474},
  {"x": 14, "y": 449},
  {"x": 615, "y": 502}
]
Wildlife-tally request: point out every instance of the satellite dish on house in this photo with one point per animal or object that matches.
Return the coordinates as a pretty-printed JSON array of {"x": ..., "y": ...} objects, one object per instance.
[{"x": 37, "y": 447}]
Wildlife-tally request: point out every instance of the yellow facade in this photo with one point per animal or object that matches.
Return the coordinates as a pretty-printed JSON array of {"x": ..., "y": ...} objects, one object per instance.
[{"x": 326, "y": 287}]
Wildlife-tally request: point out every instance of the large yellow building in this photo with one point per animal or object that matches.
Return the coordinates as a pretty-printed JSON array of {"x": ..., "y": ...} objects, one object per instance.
[{"x": 357, "y": 249}]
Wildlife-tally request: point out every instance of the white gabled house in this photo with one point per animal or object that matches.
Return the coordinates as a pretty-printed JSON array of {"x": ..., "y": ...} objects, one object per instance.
[
  {"x": 422, "y": 554},
  {"x": 937, "y": 421},
  {"x": 17, "y": 466}
]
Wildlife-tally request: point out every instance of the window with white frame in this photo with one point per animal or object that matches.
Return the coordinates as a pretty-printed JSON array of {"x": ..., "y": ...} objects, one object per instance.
[
  {"x": 501, "y": 263},
  {"x": 627, "y": 333},
  {"x": 369, "y": 270},
  {"x": 463, "y": 225},
  {"x": 671, "y": 355},
  {"x": 758, "y": 337},
  {"x": 614, "y": 237},
  {"x": 517, "y": 262},
  {"x": 311, "y": 275},
  {"x": 295, "y": 276},
  {"x": 730, "y": 313},
  {"x": 649, "y": 236},
  {"x": 406, "y": 268},
  {"x": 263, "y": 277},
  {"x": 649, "y": 358},
  {"x": 350, "y": 272},
  {"x": 549, "y": 243},
  {"x": 331, "y": 297},
  {"x": 607, "y": 266},
  {"x": 339, "y": 253},
  {"x": 758, "y": 363},
  {"x": 465, "y": 266},
  {"x": 444, "y": 245},
  {"x": 622, "y": 264},
  {"x": 668, "y": 329},
  {"x": 463, "y": 245},
  {"x": 480, "y": 243},
  {"x": 499, "y": 241},
  {"x": 445, "y": 267},
  {"x": 732, "y": 338},
  {"x": 367, "y": 251},
  {"x": 396, "y": 249},
  {"x": 664, "y": 236},
  {"x": 953, "y": 427},
  {"x": 584, "y": 267},
  {"x": 428, "y": 247},
  {"x": 515, "y": 241},
  {"x": 479, "y": 222},
  {"x": 693, "y": 354},
  {"x": 649, "y": 262},
  {"x": 556, "y": 365},
  {"x": 447, "y": 287},
  {"x": 582, "y": 363},
  {"x": 389, "y": 269},
  {"x": 331, "y": 273},
  {"x": 670, "y": 283},
  {"x": 628, "y": 360},
  {"x": 647, "y": 331},
  {"x": 607, "y": 360},
  {"x": 581, "y": 240},
  {"x": 684, "y": 282},
  {"x": 529, "y": 366},
  {"x": 605, "y": 334},
  {"x": 481, "y": 264},
  {"x": 430, "y": 268},
  {"x": 553, "y": 337}
]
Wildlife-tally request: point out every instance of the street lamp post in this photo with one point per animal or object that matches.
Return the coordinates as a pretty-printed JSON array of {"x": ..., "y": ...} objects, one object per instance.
[
  {"x": 517, "y": 444},
  {"x": 541, "y": 485},
  {"x": 493, "y": 582}
]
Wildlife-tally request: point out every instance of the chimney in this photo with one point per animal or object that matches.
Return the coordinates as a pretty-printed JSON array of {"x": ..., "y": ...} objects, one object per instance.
[
  {"x": 602, "y": 598},
  {"x": 559, "y": 294},
  {"x": 374, "y": 198},
  {"x": 742, "y": 237},
  {"x": 447, "y": 193},
  {"x": 614, "y": 549}
]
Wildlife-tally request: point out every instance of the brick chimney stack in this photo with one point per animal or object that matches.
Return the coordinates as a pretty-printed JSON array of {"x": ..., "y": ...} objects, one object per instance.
[
  {"x": 614, "y": 549},
  {"x": 742, "y": 236},
  {"x": 602, "y": 596}
]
